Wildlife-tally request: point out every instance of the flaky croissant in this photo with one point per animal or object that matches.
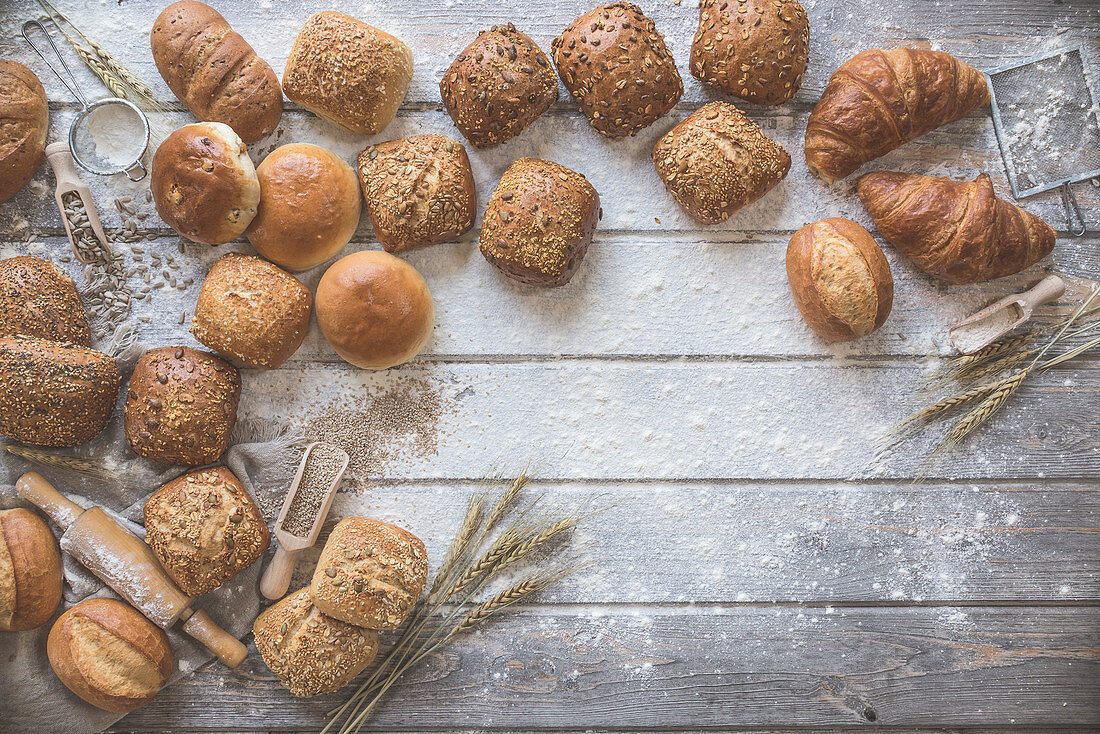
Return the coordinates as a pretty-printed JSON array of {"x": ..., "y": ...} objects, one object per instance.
[
  {"x": 959, "y": 231},
  {"x": 879, "y": 100}
]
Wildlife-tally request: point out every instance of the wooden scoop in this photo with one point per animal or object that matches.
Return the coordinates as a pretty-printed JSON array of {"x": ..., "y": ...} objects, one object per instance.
[
  {"x": 128, "y": 565},
  {"x": 64, "y": 171},
  {"x": 993, "y": 322},
  {"x": 276, "y": 578}
]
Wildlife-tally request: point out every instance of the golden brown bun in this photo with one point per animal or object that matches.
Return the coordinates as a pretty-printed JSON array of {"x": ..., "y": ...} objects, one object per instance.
[
  {"x": 840, "y": 279},
  {"x": 616, "y": 65},
  {"x": 109, "y": 654},
  {"x": 879, "y": 100},
  {"x": 374, "y": 309},
  {"x": 55, "y": 394},
  {"x": 958, "y": 231},
  {"x": 205, "y": 529},
  {"x": 754, "y": 49},
  {"x": 498, "y": 85},
  {"x": 25, "y": 115},
  {"x": 204, "y": 184},
  {"x": 309, "y": 206},
  {"x": 30, "y": 571},
  {"x": 39, "y": 299},
  {"x": 182, "y": 406},
  {"x": 419, "y": 191},
  {"x": 718, "y": 161},
  {"x": 252, "y": 311},
  {"x": 309, "y": 652},
  {"x": 348, "y": 72},
  {"x": 214, "y": 71},
  {"x": 539, "y": 222},
  {"x": 370, "y": 573}
]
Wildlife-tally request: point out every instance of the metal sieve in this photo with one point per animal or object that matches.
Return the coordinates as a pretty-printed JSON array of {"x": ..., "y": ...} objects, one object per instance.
[{"x": 81, "y": 139}]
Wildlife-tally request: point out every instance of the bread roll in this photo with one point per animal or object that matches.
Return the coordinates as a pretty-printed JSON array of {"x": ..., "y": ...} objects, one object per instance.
[
  {"x": 840, "y": 279},
  {"x": 374, "y": 309},
  {"x": 214, "y": 71},
  {"x": 30, "y": 571},
  {"x": 348, "y": 72},
  {"x": 39, "y": 299},
  {"x": 539, "y": 222},
  {"x": 107, "y": 653},
  {"x": 204, "y": 184},
  {"x": 24, "y": 121},
  {"x": 309, "y": 206},
  {"x": 616, "y": 65},
  {"x": 419, "y": 191},
  {"x": 54, "y": 394},
  {"x": 182, "y": 406},
  {"x": 252, "y": 311},
  {"x": 205, "y": 529},
  {"x": 500, "y": 84},
  {"x": 309, "y": 652},
  {"x": 369, "y": 574},
  {"x": 718, "y": 161},
  {"x": 754, "y": 49}
]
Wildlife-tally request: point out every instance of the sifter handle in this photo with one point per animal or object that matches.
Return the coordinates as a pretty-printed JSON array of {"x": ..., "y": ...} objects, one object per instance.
[
  {"x": 40, "y": 493},
  {"x": 228, "y": 648},
  {"x": 276, "y": 578}
]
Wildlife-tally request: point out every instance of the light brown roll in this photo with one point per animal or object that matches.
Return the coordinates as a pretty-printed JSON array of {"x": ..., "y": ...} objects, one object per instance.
[
  {"x": 204, "y": 184},
  {"x": 840, "y": 279},
  {"x": 24, "y": 122},
  {"x": 205, "y": 529},
  {"x": 109, "y": 654},
  {"x": 309, "y": 652},
  {"x": 54, "y": 394},
  {"x": 374, "y": 309},
  {"x": 31, "y": 579},
  {"x": 252, "y": 311},
  {"x": 347, "y": 72},
  {"x": 309, "y": 206},
  {"x": 39, "y": 299},
  {"x": 370, "y": 573},
  {"x": 419, "y": 191},
  {"x": 182, "y": 406}
]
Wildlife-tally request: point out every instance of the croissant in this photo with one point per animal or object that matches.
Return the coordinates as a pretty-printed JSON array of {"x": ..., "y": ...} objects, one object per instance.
[
  {"x": 959, "y": 231},
  {"x": 879, "y": 100}
]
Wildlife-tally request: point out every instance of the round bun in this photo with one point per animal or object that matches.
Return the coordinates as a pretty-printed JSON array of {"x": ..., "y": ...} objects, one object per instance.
[
  {"x": 374, "y": 309},
  {"x": 26, "y": 117},
  {"x": 204, "y": 184},
  {"x": 30, "y": 571},
  {"x": 309, "y": 206},
  {"x": 109, "y": 654}
]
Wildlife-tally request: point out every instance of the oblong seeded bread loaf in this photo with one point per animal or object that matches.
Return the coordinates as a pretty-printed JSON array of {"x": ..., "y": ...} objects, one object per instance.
[
  {"x": 24, "y": 122},
  {"x": 39, "y": 299}
]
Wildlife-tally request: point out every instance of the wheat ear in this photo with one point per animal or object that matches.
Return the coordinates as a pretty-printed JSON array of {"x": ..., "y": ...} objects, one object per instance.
[
  {"x": 459, "y": 545},
  {"x": 990, "y": 405},
  {"x": 48, "y": 458}
]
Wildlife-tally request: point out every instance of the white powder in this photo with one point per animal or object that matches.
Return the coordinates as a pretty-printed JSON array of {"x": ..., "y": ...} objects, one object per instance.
[
  {"x": 114, "y": 134},
  {"x": 970, "y": 337}
]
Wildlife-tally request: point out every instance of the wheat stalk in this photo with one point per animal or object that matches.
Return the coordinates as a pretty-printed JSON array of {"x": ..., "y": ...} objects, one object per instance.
[{"x": 63, "y": 461}]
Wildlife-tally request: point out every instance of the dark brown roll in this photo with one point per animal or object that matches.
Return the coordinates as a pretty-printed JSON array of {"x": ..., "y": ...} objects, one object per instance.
[{"x": 39, "y": 299}]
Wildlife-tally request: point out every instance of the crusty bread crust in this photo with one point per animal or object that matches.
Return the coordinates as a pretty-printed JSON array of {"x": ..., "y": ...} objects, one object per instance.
[
  {"x": 30, "y": 571},
  {"x": 39, "y": 299},
  {"x": 26, "y": 116}
]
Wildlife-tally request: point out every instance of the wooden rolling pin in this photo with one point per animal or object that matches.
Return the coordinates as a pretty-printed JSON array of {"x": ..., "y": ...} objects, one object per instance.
[{"x": 128, "y": 565}]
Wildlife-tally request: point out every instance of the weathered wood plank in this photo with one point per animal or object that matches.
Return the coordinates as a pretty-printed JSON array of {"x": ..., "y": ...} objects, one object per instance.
[{"x": 638, "y": 668}]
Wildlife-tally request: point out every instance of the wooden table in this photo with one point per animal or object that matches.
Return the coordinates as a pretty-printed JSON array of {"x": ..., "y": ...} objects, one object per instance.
[{"x": 760, "y": 569}]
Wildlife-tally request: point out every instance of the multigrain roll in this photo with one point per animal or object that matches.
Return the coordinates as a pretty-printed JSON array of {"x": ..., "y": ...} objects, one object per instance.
[
  {"x": 498, "y": 85},
  {"x": 539, "y": 222},
  {"x": 109, "y": 654},
  {"x": 54, "y": 394},
  {"x": 182, "y": 406},
  {"x": 754, "y": 49},
  {"x": 24, "y": 122},
  {"x": 616, "y": 65},
  {"x": 309, "y": 206},
  {"x": 370, "y": 573},
  {"x": 39, "y": 299},
  {"x": 252, "y": 311},
  {"x": 374, "y": 309},
  {"x": 347, "y": 72},
  {"x": 718, "y": 161},
  {"x": 419, "y": 191},
  {"x": 204, "y": 184},
  {"x": 311, "y": 653},
  {"x": 30, "y": 571},
  {"x": 205, "y": 529}
]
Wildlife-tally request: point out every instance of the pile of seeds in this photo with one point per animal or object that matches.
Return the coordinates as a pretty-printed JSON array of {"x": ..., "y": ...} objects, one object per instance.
[{"x": 322, "y": 467}]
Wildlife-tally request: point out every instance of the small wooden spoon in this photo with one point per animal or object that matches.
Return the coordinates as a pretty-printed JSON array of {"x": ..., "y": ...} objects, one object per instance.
[
  {"x": 276, "y": 578},
  {"x": 68, "y": 181},
  {"x": 993, "y": 322}
]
